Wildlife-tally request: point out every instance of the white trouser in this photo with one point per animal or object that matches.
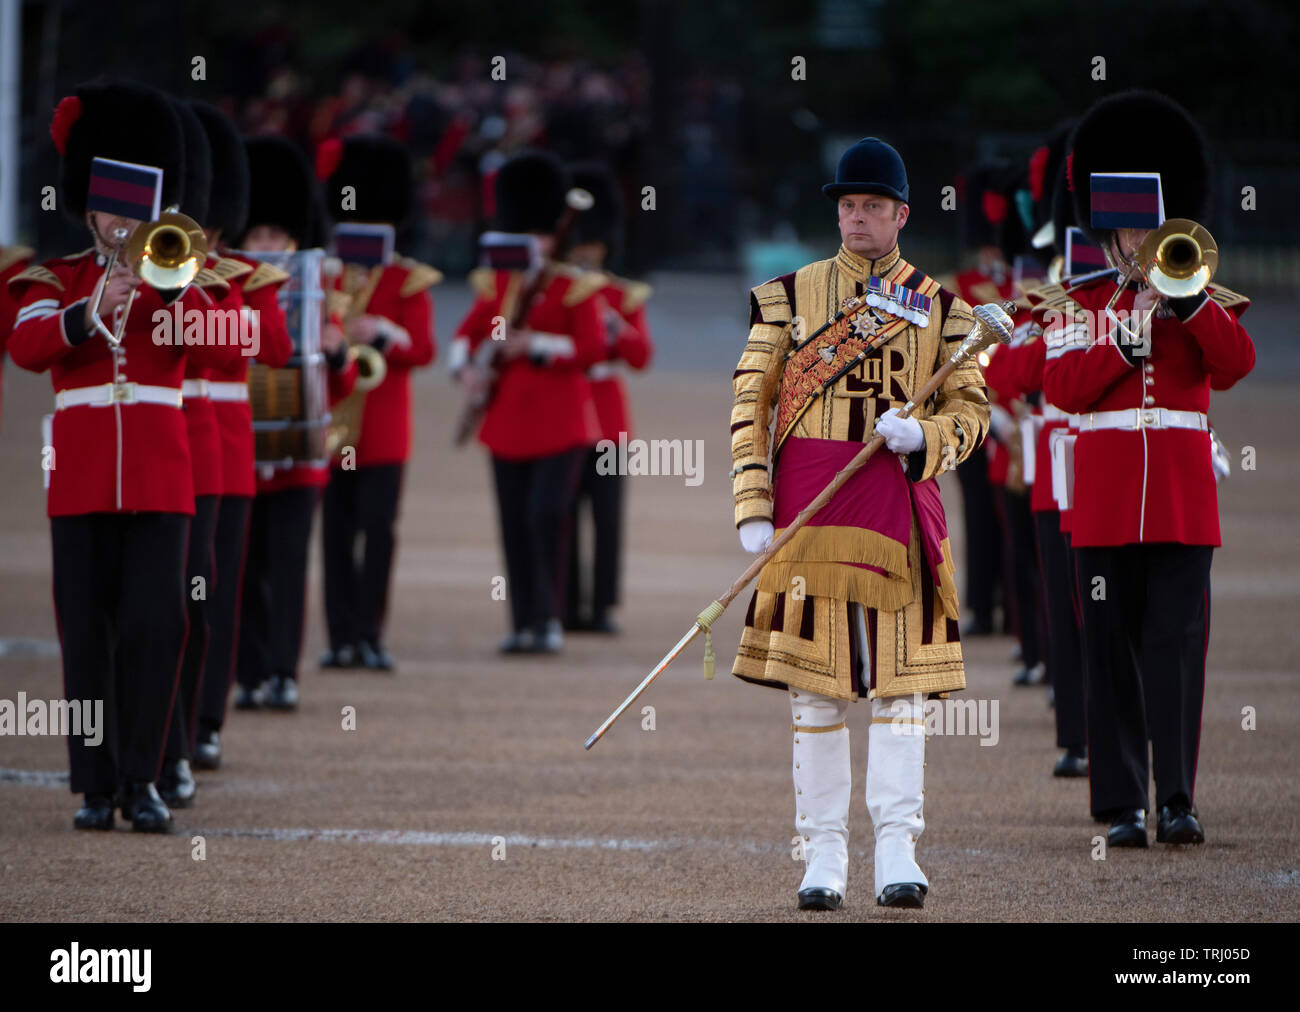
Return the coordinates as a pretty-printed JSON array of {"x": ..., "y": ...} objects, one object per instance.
[
  {"x": 895, "y": 787},
  {"x": 823, "y": 780},
  {"x": 823, "y": 776}
]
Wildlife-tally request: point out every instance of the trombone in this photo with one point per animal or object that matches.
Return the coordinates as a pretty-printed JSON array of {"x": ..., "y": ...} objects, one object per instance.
[
  {"x": 1177, "y": 259},
  {"x": 165, "y": 254}
]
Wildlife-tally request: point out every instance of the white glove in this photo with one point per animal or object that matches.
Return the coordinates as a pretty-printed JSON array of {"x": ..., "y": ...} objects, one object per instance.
[
  {"x": 756, "y": 535},
  {"x": 902, "y": 435},
  {"x": 1002, "y": 424}
]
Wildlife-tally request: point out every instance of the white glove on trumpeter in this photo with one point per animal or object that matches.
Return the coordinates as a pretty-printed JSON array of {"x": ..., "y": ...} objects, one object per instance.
[
  {"x": 756, "y": 535},
  {"x": 1002, "y": 424},
  {"x": 902, "y": 435}
]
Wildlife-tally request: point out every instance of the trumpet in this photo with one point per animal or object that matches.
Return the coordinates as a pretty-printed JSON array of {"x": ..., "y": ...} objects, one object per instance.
[
  {"x": 1177, "y": 259},
  {"x": 345, "y": 418},
  {"x": 164, "y": 254}
]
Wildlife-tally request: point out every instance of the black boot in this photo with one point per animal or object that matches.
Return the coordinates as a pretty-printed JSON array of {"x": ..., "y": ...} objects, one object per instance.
[
  {"x": 1129, "y": 829},
  {"x": 1178, "y": 823},
  {"x": 140, "y": 803},
  {"x": 207, "y": 750},
  {"x": 96, "y": 812}
]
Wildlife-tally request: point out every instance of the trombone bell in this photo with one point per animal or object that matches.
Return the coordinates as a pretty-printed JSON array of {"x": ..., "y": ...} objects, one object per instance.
[
  {"x": 1179, "y": 258},
  {"x": 169, "y": 252}
]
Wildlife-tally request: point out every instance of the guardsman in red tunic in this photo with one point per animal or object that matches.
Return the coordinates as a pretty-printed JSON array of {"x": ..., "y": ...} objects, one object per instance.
[
  {"x": 1146, "y": 517},
  {"x": 176, "y": 785},
  {"x": 597, "y": 235},
  {"x": 989, "y": 280},
  {"x": 541, "y": 420},
  {"x": 390, "y": 309},
  {"x": 285, "y": 215},
  {"x": 258, "y": 286},
  {"x": 121, "y": 493}
]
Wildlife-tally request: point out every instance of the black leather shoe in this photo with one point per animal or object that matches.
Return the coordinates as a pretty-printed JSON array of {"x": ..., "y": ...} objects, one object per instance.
[
  {"x": 521, "y": 642},
  {"x": 96, "y": 812},
  {"x": 1030, "y": 676},
  {"x": 176, "y": 785},
  {"x": 248, "y": 699},
  {"x": 902, "y": 894},
  {"x": 376, "y": 658},
  {"x": 207, "y": 751},
  {"x": 1178, "y": 824},
  {"x": 140, "y": 803},
  {"x": 1129, "y": 829},
  {"x": 281, "y": 694},
  {"x": 1071, "y": 765},
  {"x": 820, "y": 899},
  {"x": 344, "y": 657}
]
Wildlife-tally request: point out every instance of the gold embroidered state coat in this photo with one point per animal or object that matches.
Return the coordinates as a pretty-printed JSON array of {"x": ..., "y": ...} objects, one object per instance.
[{"x": 805, "y": 640}]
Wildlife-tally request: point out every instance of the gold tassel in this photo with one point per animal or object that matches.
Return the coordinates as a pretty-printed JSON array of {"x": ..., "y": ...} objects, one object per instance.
[{"x": 705, "y": 620}]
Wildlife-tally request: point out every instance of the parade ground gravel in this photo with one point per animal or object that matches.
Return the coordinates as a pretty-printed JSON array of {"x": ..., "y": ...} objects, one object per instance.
[{"x": 464, "y": 792}]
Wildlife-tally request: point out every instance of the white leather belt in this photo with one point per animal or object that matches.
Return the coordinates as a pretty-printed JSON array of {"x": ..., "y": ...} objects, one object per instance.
[
  {"x": 227, "y": 391},
  {"x": 195, "y": 389},
  {"x": 1133, "y": 419},
  {"x": 1051, "y": 413},
  {"x": 106, "y": 394},
  {"x": 602, "y": 371}
]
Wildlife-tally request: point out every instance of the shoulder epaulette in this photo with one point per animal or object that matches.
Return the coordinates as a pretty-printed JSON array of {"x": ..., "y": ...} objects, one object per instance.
[
  {"x": 771, "y": 302},
  {"x": 484, "y": 282},
  {"x": 583, "y": 284},
  {"x": 336, "y": 302},
  {"x": 418, "y": 276},
  {"x": 635, "y": 294},
  {"x": 1227, "y": 298},
  {"x": 208, "y": 278},
  {"x": 10, "y": 255},
  {"x": 230, "y": 268},
  {"x": 40, "y": 274},
  {"x": 263, "y": 276}
]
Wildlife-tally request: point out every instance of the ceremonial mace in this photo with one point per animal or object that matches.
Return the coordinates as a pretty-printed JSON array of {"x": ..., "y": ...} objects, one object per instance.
[{"x": 992, "y": 326}]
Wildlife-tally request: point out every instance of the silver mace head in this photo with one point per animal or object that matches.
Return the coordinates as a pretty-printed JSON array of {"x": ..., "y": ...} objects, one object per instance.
[{"x": 995, "y": 322}]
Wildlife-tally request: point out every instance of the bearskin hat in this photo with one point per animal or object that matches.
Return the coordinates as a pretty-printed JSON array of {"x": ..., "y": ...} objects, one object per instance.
[
  {"x": 228, "y": 203},
  {"x": 282, "y": 187},
  {"x": 1045, "y": 165},
  {"x": 530, "y": 189},
  {"x": 121, "y": 120},
  {"x": 379, "y": 171},
  {"x": 983, "y": 205},
  {"x": 1013, "y": 236},
  {"x": 603, "y": 222},
  {"x": 198, "y": 165},
  {"x": 1141, "y": 131}
]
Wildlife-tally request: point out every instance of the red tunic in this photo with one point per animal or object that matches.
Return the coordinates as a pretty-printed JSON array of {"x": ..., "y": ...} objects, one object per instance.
[
  {"x": 1145, "y": 484},
  {"x": 123, "y": 456},
  {"x": 401, "y": 296},
  {"x": 542, "y": 404},
  {"x": 628, "y": 340},
  {"x": 235, "y": 417},
  {"x": 976, "y": 288}
]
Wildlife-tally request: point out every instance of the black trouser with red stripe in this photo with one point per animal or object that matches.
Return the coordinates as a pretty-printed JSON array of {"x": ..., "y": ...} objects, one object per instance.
[
  {"x": 1064, "y": 648},
  {"x": 1146, "y": 626},
  {"x": 275, "y": 585},
  {"x": 983, "y": 539},
  {"x": 119, "y": 597},
  {"x": 1025, "y": 583},
  {"x": 359, "y": 503},
  {"x": 199, "y": 566},
  {"x": 223, "y": 613},
  {"x": 605, "y": 493},
  {"x": 533, "y": 498}
]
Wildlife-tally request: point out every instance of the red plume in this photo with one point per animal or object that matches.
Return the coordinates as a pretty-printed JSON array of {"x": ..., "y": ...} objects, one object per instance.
[
  {"x": 995, "y": 207},
  {"x": 328, "y": 156},
  {"x": 67, "y": 112},
  {"x": 1037, "y": 169},
  {"x": 1069, "y": 171}
]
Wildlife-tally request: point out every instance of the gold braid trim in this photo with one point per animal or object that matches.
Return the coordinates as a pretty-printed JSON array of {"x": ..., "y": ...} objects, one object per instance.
[
  {"x": 844, "y": 583},
  {"x": 817, "y": 730},
  {"x": 484, "y": 282},
  {"x": 211, "y": 280},
  {"x": 264, "y": 275},
  {"x": 230, "y": 268},
  {"x": 39, "y": 274},
  {"x": 843, "y": 544},
  {"x": 419, "y": 277},
  {"x": 582, "y": 285},
  {"x": 635, "y": 294}
]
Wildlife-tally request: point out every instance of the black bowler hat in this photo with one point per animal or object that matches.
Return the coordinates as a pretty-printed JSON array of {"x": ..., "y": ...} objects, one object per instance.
[{"x": 870, "y": 166}]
